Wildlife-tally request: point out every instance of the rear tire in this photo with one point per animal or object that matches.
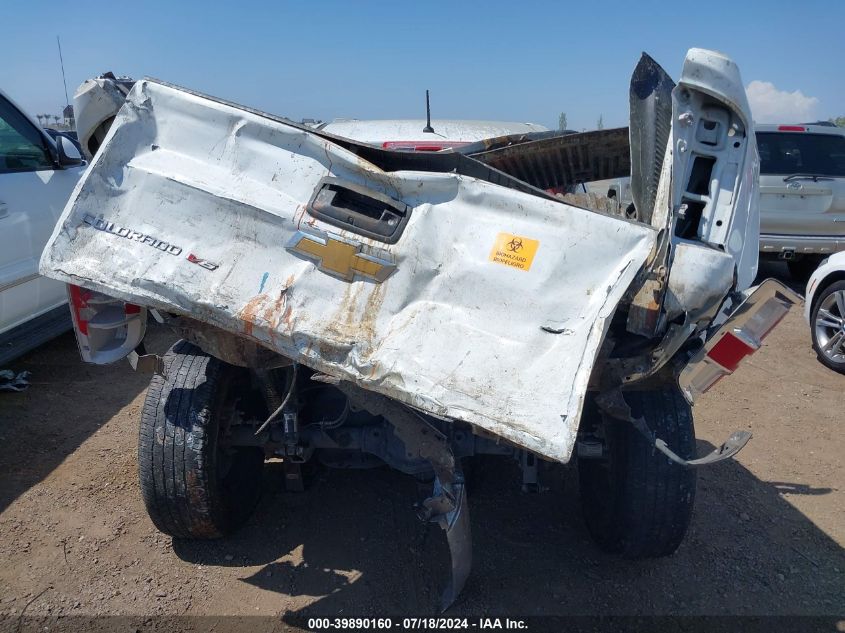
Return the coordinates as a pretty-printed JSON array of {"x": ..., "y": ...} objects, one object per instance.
[
  {"x": 636, "y": 502},
  {"x": 193, "y": 484}
]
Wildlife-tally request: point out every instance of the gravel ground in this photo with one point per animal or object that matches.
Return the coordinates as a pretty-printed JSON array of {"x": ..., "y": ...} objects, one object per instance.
[{"x": 767, "y": 536}]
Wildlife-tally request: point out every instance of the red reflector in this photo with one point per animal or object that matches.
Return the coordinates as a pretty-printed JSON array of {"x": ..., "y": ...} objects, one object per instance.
[
  {"x": 131, "y": 308},
  {"x": 730, "y": 351},
  {"x": 79, "y": 300},
  {"x": 791, "y": 128}
]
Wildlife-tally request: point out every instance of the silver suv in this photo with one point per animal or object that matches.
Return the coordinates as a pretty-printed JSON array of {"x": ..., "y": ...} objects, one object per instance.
[{"x": 802, "y": 193}]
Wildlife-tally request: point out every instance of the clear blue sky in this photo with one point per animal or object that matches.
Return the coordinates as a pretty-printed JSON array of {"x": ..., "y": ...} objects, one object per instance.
[{"x": 517, "y": 60}]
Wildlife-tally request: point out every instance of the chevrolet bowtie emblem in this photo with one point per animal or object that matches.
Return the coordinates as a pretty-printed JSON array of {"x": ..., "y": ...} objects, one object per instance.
[{"x": 342, "y": 258}]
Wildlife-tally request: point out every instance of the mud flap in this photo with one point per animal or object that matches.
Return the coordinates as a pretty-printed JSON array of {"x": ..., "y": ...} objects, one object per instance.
[{"x": 448, "y": 506}]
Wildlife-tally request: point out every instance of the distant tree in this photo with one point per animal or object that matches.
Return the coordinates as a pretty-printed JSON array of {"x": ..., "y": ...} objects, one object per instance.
[
  {"x": 39, "y": 117},
  {"x": 838, "y": 121},
  {"x": 600, "y": 124},
  {"x": 561, "y": 122},
  {"x": 56, "y": 118}
]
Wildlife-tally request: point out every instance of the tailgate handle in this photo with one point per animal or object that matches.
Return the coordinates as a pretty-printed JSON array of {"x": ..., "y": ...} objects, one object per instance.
[{"x": 359, "y": 209}]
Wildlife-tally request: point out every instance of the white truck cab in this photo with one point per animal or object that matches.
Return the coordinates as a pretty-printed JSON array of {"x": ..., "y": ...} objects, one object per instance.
[
  {"x": 37, "y": 176},
  {"x": 425, "y": 136}
]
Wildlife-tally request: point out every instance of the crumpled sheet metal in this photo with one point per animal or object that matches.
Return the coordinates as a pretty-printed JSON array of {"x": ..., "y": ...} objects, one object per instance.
[
  {"x": 450, "y": 332},
  {"x": 563, "y": 160}
]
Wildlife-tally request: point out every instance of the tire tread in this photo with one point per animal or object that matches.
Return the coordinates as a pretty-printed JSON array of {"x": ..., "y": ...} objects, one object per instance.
[
  {"x": 177, "y": 444},
  {"x": 649, "y": 505}
]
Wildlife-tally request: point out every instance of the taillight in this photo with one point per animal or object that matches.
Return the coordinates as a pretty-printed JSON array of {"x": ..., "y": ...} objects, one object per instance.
[
  {"x": 791, "y": 128},
  {"x": 739, "y": 337},
  {"x": 107, "y": 329},
  {"x": 78, "y": 299}
]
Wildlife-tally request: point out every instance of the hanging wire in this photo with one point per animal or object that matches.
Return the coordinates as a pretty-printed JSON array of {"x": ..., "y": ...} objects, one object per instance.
[
  {"x": 276, "y": 413},
  {"x": 338, "y": 421}
]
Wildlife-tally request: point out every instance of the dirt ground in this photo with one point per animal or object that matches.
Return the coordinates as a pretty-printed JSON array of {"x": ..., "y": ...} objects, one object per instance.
[{"x": 767, "y": 536}]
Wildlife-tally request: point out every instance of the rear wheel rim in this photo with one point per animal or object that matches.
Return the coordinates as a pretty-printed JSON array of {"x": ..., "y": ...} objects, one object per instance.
[{"x": 830, "y": 327}]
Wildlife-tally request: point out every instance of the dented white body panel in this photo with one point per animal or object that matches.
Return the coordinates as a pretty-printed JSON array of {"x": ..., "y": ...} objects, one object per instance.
[{"x": 450, "y": 332}]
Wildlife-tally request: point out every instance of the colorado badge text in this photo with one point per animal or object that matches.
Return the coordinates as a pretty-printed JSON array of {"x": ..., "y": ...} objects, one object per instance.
[{"x": 121, "y": 231}]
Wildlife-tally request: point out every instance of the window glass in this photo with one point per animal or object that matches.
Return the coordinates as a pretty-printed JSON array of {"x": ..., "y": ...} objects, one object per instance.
[
  {"x": 22, "y": 147},
  {"x": 785, "y": 153}
]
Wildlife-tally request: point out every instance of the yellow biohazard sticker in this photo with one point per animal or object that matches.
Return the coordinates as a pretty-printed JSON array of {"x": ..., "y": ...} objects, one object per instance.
[{"x": 514, "y": 251}]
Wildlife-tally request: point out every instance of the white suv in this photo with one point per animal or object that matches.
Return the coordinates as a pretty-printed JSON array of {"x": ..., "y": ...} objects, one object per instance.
[
  {"x": 802, "y": 193},
  {"x": 37, "y": 176}
]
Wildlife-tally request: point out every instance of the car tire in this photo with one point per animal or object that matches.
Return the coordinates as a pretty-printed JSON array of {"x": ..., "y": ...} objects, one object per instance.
[
  {"x": 636, "y": 502},
  {"x": 828, "y": 326},
  {"x": 193, "y": 484},
  {"x": 801, "y": 269}
]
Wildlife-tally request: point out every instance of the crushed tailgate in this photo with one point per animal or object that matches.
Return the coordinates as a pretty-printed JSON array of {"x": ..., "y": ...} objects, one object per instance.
[{"x": 487, "y": 305}]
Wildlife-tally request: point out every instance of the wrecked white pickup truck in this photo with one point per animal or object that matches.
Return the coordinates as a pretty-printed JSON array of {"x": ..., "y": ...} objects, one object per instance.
[{"x": 360, "y": 305}]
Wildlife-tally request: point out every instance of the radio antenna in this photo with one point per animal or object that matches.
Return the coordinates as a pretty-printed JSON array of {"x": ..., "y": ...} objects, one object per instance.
[
  {"x": 62, "y": 62},
  {"x": 428, "y": 127}
]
